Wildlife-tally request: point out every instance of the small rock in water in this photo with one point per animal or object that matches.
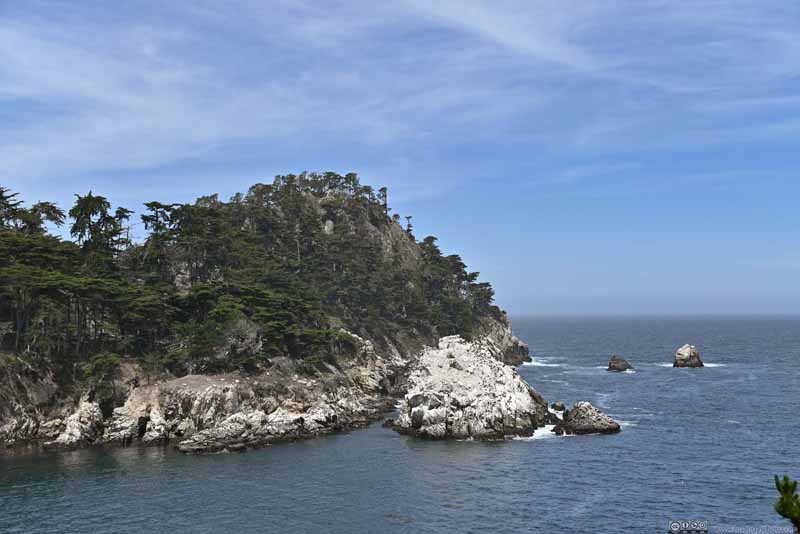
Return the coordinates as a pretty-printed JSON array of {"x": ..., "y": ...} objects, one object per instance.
[
  {"x": 687, "y": 356},
  {"x": 558, "y": 406},
  {"x": 618, "y": 364},
  {"x": 583, "y": 418}
]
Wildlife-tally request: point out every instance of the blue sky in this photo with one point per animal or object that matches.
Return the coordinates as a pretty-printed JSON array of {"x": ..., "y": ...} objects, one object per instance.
[{"x": 586, "y": 157}]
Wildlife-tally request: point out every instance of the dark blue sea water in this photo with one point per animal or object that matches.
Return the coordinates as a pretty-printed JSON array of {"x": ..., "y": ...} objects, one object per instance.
[{"x": 696, "y": 444}]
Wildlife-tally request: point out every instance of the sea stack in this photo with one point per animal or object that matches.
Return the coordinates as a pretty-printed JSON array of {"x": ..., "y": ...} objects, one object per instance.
[
  {"x": 618, "y": 364},
  {"x": 687, "y": 356},
  {"x": 583, "y": 418}
]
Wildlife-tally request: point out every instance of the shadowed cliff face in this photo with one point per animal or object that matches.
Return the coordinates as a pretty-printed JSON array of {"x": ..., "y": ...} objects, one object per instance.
[{"x": 27, "y": 398}]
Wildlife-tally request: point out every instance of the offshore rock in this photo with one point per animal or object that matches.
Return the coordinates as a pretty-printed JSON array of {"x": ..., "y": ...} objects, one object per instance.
[
  {"x": 687, "y": 356},
  {"x": 461, "y": 390},
  {"x": 618, "y": 364},
  {"x": 583, "y": 418}
]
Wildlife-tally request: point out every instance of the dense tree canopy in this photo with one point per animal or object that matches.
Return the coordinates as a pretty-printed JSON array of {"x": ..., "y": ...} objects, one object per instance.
[{"x": 220, "y": 285}]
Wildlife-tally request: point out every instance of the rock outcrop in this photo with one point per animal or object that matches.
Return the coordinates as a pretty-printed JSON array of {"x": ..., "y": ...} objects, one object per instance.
[
  {"x": 30, "y": 407},
  {"x": 84, "y": 427},
  {"x": 461, "y": 390},
  {"x": 222, "y": 413},
  {"x": 500, "y": 341},
  {"x": 583, "y": 418},
  {"x": 618, "y": 364},
  {"x": 687, "y": 356}
]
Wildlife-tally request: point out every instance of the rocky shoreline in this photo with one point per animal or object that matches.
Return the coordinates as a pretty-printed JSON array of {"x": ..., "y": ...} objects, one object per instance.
[
  {"x": 458, "y": 389},
  {"x": 232, "y": 412}
]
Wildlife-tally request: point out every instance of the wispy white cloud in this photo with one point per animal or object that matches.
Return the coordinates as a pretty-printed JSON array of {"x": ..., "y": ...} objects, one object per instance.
[{"x": 147, "y": 85}]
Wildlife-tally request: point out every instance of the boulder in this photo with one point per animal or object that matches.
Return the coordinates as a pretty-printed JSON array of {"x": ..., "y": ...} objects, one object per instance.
[
  {"x": 583, "y": 418},
  {"x": 460, "y": 390},
  {"x": 687, "y": 356},
  {"x": 618, "y": 364},
  {"x": 558, "y": 406}
]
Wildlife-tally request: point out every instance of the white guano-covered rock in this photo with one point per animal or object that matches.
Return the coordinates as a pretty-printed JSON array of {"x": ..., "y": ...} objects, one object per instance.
[
  {"x": 460, "y": 390},
  {"x": 83, "y": 427},
  {"x": 687, "y": 356}
]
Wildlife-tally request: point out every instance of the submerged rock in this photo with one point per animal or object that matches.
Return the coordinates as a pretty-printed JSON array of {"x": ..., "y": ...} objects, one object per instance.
[
  {"x": 687, "y": 356},
  {"x": 461, "y": 390},
  {"x": 583, "y": 418},
  {"x": 618, "y": 364}
]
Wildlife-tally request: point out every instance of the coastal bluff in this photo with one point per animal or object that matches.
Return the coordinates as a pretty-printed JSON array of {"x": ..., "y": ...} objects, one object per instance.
[{"x": 234, "y": 412}]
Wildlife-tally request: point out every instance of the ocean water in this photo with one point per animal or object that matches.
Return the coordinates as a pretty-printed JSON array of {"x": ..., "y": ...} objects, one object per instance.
[{"x": 695, "y": 444}]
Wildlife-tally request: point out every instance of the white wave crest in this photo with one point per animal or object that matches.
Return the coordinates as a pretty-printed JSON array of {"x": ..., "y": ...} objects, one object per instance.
[
  {"x": 540, "y": 363},
  {"x": 545, "y": 432}
]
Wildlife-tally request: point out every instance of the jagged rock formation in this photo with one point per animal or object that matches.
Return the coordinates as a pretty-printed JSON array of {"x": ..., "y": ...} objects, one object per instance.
[
  {"x": 618, "y": 364},
  {"x": 583, "y": 418},
  {"x": 83, "y": 427},
  {"x": 26, "y": 400},
  {"x": 461, "y": 390},
  {"x": 687, "y": 356},
  {"x": 212, "y": 413},
  {"x": 502, "y": 343}
]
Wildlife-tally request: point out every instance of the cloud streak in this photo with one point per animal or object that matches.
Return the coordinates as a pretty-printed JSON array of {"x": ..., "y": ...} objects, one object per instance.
[{"x": 86, "y": 90}]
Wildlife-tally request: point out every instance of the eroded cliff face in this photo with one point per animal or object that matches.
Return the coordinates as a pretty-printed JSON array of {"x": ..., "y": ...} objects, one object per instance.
[
  {"x": 499, "y": 340},
  {"x": 32, "y": 405},
  {"x": 231, "y": 412}
]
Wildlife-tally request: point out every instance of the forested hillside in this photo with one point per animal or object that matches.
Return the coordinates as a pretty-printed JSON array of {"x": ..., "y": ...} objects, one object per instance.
[{"x": 222, "y": 285}]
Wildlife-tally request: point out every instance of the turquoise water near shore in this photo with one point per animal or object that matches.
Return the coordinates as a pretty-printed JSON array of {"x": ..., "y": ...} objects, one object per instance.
[{"x": 696, "y": 444}]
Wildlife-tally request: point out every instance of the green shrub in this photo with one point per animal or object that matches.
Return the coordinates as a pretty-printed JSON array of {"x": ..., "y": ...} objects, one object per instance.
[{"x": 788, "y": 505}]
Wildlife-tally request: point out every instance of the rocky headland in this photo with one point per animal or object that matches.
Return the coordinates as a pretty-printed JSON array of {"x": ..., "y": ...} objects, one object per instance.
[{"x": 296, "y": 309}]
